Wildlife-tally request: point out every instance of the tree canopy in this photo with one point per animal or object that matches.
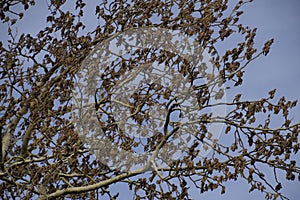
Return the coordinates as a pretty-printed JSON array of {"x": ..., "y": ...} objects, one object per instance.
[{"x": 139, "y": 99}]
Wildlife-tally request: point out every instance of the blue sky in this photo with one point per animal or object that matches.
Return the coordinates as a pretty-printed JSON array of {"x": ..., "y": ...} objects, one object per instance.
[
  {"x": 279, "y": 69},
  {"x": 276, "y": 19}
]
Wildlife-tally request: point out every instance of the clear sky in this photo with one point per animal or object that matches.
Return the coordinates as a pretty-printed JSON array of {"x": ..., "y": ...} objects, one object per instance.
[
  {"x": 276, "y": 19},
  {"x": 279, "y": 69}
]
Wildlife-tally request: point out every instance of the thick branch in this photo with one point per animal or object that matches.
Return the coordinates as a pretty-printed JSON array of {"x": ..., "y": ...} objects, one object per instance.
[{"x": 96, "y": 185}]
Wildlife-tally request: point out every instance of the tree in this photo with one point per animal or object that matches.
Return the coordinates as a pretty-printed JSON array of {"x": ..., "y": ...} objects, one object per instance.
[{"x": 52, "y": 146}]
